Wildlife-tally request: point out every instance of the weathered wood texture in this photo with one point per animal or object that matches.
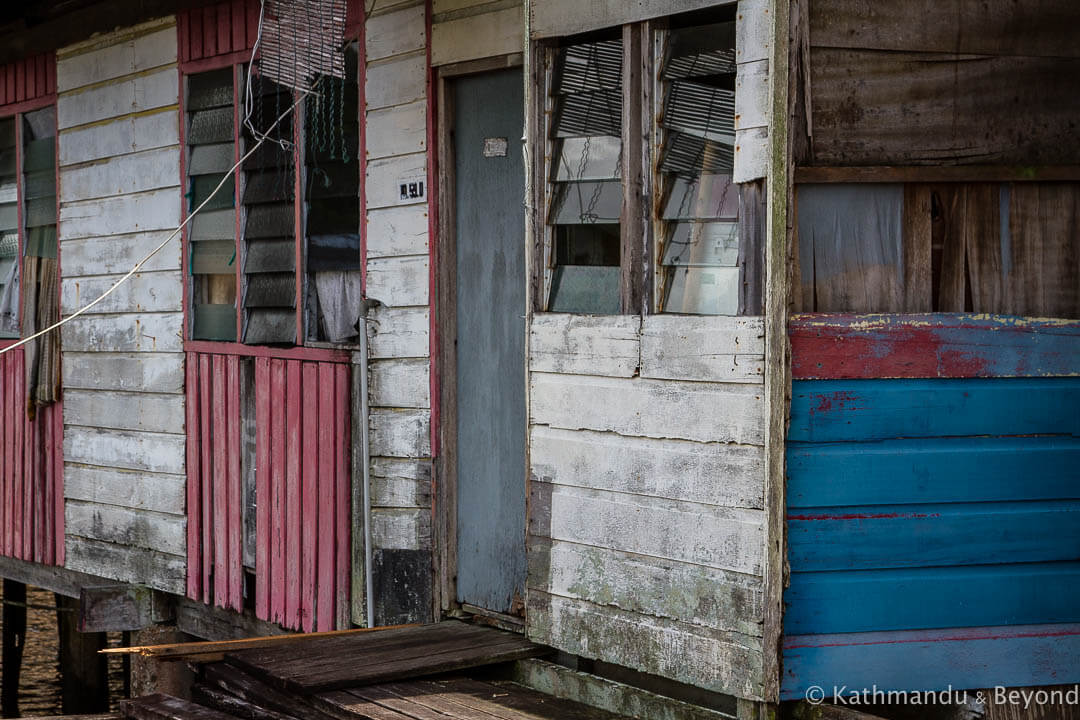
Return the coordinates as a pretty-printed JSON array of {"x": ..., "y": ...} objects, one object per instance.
[
  {"x": 31, "y": 471},
  {"x": 1011, "y": 72},
  {"x": 398, "y": 274},
  {"x": 569, "y": 17},
  {"x": 217, "y": 29},
  {"x": 119, "y": 196},
  {"x": 752, "y": 45},
  {"x": 28, "y": 79},
  {"x": 633, "y": 542},
  {"x": 462, "y": 31},
  {"x": 302, "y": 477}
]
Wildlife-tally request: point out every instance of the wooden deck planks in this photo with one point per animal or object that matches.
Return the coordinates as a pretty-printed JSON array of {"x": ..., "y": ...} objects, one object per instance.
[{"x": 341, "y": 662}]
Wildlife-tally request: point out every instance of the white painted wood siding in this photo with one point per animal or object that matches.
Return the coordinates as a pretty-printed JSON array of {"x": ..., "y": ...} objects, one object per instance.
[
  {"x": 120, "y": 195},
  {"x": 472, "y": 29},
  {"x": 646, "y": 494},
  {"x": 398, "y": 276}
]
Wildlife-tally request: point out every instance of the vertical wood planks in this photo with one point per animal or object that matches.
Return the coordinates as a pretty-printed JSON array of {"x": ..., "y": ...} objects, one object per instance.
[
  {"x": 31, "y": 479},
  {"x": 326, "y": 499},
  {"x": 302, "y": 491},
  {"x": 262, "y": 489},
  {"x": 214, "y": 493},
  {"x": 27, "y": 79}
]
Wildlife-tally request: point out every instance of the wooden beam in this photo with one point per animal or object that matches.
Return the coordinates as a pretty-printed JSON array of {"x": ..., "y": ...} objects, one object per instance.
[
  {"x": 116, "y": 608},
  {"x": 634, "y": 219},
  {"x": 209, "y": 650},
  {"x": 936, "y": 173},
  {"x": 785, "y": 13},
  {"x": 48, "y": 577}
]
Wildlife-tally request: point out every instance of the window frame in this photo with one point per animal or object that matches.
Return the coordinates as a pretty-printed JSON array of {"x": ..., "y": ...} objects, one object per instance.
[
  {"x": 16, "y": 111},
  {"x": 237, "y": 62},
  {"x": 641, "y": 282}
]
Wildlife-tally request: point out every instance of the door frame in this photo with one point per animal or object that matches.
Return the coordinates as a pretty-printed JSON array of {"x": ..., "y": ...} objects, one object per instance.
[{"x": 444, "y": 330}]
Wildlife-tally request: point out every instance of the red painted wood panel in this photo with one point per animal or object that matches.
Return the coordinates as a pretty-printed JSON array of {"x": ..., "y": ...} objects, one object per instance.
[
  {"x": 30, "y": 81},
  {"x": 31, "y": 476},
  {"x": 302, "y": 481},
  {"x": 262, "y": 489},
  {"x": 932, "y": 345}
]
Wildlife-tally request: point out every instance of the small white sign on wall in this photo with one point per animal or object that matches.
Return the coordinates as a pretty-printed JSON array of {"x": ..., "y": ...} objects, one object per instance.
[
  {"x": 495, "y": 147},
  {"x": 412, "y": 190}
]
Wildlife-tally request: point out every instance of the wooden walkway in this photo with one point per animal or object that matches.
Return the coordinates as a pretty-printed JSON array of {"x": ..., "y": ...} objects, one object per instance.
[{"x": 399, "y": 674}]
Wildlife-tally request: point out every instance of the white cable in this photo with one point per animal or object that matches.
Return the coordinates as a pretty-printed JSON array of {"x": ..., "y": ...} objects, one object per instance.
[{"x": 165, "y": 242}]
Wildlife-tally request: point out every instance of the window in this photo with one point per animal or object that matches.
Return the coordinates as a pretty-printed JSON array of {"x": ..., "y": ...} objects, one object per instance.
[
  {"x": 267, "y": 267},
  {"x": 639, "y": 126},
  {"x": 28, "y": 253}
]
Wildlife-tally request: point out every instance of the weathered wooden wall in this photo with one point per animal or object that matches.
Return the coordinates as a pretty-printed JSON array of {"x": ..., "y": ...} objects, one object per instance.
[
  {"x": 943, "y": 82},
  {"x": 646, "y": 515},
  {"x": 932, "y": 458},
  {"x": 123, "y": 367},
  {"x": 471, "y": 29},
  {"x": 398, "y": 271}
]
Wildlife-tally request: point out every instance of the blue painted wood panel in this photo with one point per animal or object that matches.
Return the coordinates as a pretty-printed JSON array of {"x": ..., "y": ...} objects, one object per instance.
[
  {"x": 853, "y": 410},
  {"x": 972, "y": 596},
  {"x": 933, "y": 470},
  {"x": 858, "y": 538},
  {"x": 933, "y": 533},
  {"x": 932, "y": 660}
]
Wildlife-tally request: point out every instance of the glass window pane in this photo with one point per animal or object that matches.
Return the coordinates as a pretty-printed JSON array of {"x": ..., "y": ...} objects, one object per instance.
[
  {"x": 210, "y": 90},
  {"x": 211, "y": 126},
  {"x": 689, "y": 155},
  {"x": 596, "y": 157},
  {"x": 206, "y": 159},
  {"x": 7, "y": 132},
  {"x": 40, "y": 212},
  {"x": 585, "y": 289},
  {"x": 703, "y": 291},
  {"x": 701, "y": 110},
  {"x": 333, "y": 252},
  {"x": 264, "y": 187},
  {"x": 590, "y": 113},
  {"x": 270, "y": 326},
  {"x": 41, "y": 241},
  {"x": 213, "y": 225},
  {"x": 587, "y": 245},
  {"x": 589, "y": 66},
  {"x": 40, "y": 184},
  {"x": 9, "y": 216},
  {"x": 271, "y": 290},
  {"x": 703, "y": 244},
  {"x": 268, "y": 221},
  {"x": 270, "y": 256},
  {"x": 216, "y": 257},
  {"x": 334, "y": 216},
  {"x": 40, "y": 124},
  {"x": 334, "y": 180},
  {"x": 587, "y": 203},
  {"x": 9, "y": 245},
  {"x": 40, "y": 155},
  {"x": 701, "y": 51},
  {"x": 203, "y": 185},
  {"x": 214, "y": 322},
  {"x": 704, "y": 197}
]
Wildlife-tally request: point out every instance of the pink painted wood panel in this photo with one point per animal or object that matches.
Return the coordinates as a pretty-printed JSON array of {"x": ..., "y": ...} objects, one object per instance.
[
  {"x": 27, "y": 80},
  {"x": 302, "y": 486},
  {"x": 31, "y": 476}
]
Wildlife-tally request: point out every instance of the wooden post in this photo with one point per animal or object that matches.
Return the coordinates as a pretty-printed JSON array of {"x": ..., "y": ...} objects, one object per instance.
[
  {"x": 14, "y": 631},
  {"x": 83, "y": 672}
]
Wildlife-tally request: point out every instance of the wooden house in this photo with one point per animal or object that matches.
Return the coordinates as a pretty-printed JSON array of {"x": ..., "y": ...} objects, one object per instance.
[{"x": 728, "y": 348}]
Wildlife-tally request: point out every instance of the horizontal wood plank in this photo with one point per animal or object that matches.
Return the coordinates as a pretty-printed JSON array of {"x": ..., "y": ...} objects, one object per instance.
[
  {"x": 399, "y": 281},
  {"x": 395, "y": 81},
  {"x": 673, "y": 469},
  {"x": 135, "y": 489},
  {"x": 149, "y": 332},
  {"x": 843, "y": 410},
  {"x": 129, "y": 134},
  {"x": 397, "y": 130},
  {"x": 136, "y": 93},
  {"x": 393, "y": 231},
  {"x": 126, "y": 526},
  {"x": 402, "y": 383},
  {"x": 400, "y": 433},
  {"x": 937, "y": 470},
  {"x": 140, "y": 566},
  {"x": 109, "y": 255},
  {"x": 604, "y": 345},
  {"x": 395, "y": 33},
  {"x": 401, "y": 528},
  {"x": 153, "y": 452},
  {"x": 934, "y": 345},
  {"x": 481, "y": 35},
  {"x": 704, "y": 657},
  {"x": 704, "y": 348},
  {"x": 143, "y": 292},
  {"x": 720, "y": 538},
  {"x": 153, "y": 210},
  {"x": 865, "y": 538},
  {"x": 112, "y": 61},
  {"x": 383, "y": 175},
  {"x": 913, "y": 660},
  {"x": 124, "y": 174},
  {"x": 398, "y": 332},
  {"x": 641, "y": 584},
  {"x": 131, "y": 372},
  {"x": 400, "y": 483},
  {"x": 650, "y": 408},
  {"x": 979, "y": 595},
  {"x": 152, "y": 412}
]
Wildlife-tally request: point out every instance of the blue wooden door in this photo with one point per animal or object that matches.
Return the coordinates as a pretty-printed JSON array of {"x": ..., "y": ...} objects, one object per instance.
[{"x": 490, "y": 237}]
